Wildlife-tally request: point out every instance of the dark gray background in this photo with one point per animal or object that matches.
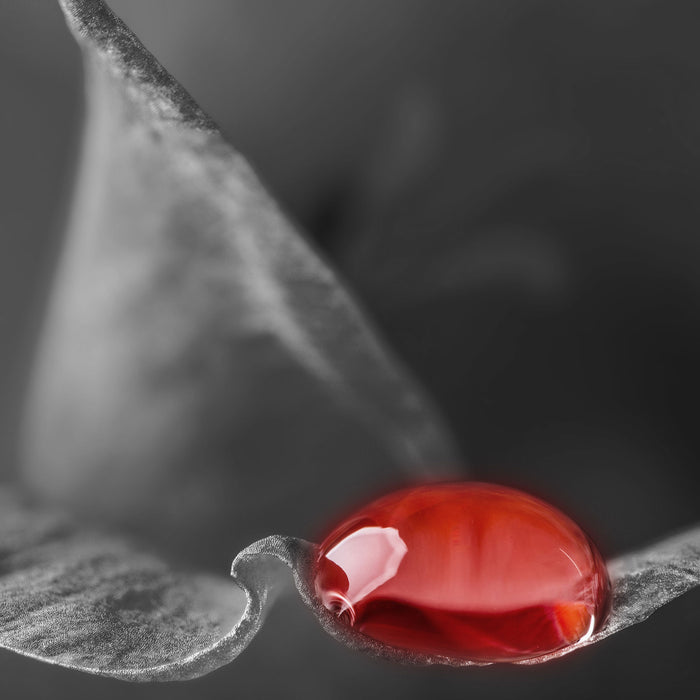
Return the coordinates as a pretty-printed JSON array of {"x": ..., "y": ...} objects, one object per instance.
[{"x": 510, "y": 187}]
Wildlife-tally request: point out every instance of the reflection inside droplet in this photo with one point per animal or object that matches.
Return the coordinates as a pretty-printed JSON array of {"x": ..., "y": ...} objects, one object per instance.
[{"x": 368, "y": 558}]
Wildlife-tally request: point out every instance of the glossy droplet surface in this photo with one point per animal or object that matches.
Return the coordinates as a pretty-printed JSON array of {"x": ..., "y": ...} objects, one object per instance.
[{"x": 467, "y": 570}]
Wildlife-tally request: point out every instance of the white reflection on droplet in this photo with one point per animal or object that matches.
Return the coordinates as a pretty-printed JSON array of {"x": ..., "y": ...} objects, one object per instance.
[
  {"x": 369, "y": 557},
  {"x": 589, "y": 633},
  {"x": 572, "y": 561}
]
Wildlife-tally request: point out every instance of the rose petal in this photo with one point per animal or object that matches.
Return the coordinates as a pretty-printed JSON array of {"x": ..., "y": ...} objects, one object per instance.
[
  {"x": 203, "y": 374},
  {"x": 93, "y": 602}
]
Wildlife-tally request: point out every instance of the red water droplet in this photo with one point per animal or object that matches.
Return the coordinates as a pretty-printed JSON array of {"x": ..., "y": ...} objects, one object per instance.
[{"x": 467, "y": 570}]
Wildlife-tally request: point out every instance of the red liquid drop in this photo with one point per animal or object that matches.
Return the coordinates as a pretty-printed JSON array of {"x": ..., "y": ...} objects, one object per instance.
[{"x": 470, "y": 570}]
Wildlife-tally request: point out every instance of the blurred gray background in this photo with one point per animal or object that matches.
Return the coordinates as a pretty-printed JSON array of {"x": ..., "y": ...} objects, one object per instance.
[{"x": 510, "y": 188}]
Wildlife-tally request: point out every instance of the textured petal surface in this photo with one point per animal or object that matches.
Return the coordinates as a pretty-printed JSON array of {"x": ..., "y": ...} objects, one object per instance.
[
  {"x": 90, "y": 601},
  {"x": 197, "y": 348}
]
